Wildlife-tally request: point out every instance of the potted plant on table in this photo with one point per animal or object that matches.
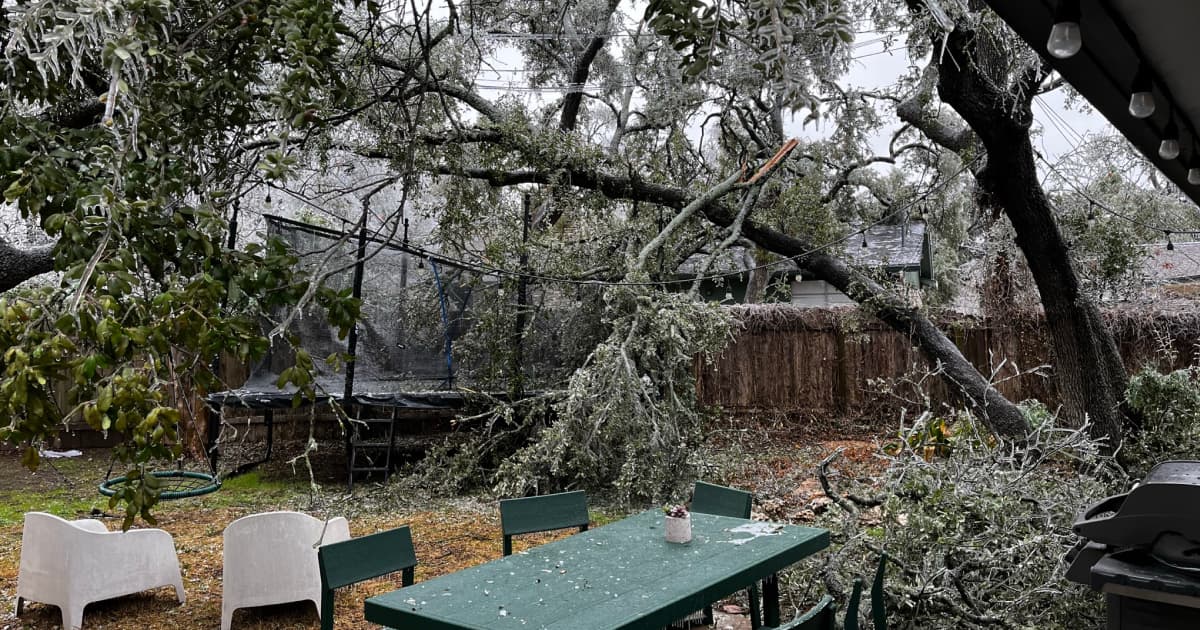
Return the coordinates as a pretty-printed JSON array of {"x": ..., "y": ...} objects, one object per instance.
[{"x": 678, "y": 524}]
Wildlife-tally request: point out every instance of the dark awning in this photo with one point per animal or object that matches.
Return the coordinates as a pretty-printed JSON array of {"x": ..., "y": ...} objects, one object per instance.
[{"x": 1118, "y": 35}]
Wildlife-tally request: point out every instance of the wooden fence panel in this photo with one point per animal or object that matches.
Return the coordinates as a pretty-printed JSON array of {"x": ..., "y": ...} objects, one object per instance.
[{"x": 818, "y": 365}]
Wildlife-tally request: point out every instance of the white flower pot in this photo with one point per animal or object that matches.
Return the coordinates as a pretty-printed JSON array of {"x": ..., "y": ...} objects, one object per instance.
[{"x": 679, "y": 530}]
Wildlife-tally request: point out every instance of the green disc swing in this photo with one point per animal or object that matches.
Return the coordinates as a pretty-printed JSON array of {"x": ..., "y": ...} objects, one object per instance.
[
  {"x": 174, "y": 484},
  {"x": 171, "y": 484}
]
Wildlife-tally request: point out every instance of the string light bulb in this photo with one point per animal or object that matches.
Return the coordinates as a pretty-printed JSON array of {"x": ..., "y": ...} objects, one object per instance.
[
  {"x": 1170, "y": 245},
  {"x": 1141, "y": 102},
  {"x": 268, "y": 199},
  {"x": 1065, "y": 36},
  {"x": 1193, "y": 176},
  {"x": 1091, "y": 217},
  {"x": 1168, "y": 149}
]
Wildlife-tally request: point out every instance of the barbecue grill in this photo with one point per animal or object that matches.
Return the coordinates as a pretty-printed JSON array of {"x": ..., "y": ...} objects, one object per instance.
[{"x": 1142, "y": 550}]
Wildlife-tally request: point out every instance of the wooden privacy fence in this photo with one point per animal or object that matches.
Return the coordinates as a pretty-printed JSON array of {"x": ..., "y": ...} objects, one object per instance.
[{"x": 842, "y": 362}]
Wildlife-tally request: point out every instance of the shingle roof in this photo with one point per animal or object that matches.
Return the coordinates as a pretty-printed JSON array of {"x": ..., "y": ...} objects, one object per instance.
[
  {"x": 889, "y": 246},
  {"x": 1162, "y": 265}
]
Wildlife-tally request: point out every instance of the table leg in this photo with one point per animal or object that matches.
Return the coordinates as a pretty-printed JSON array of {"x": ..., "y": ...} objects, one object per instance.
[
  {"x": 755, "y": 607},
  {"x": 770, "y": 595}
]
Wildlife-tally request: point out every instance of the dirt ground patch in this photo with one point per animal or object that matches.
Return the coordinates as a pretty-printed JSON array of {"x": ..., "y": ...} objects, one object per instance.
[{"x": 449, "y": 534}]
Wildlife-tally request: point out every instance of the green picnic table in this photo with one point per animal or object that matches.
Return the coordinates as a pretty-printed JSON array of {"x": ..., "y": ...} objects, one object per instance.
[{"x": 620, "y": 576}]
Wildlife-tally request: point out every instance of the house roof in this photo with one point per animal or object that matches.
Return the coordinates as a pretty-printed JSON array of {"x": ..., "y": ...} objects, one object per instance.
[
  {"x": 1118, "y": 36},
  {"x": 1164, "y": 266},
  {"x": 889, "y": 246}
]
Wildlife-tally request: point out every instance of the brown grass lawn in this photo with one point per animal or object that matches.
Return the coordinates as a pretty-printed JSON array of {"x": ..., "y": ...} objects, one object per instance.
[{"x": 449, "y": 533}]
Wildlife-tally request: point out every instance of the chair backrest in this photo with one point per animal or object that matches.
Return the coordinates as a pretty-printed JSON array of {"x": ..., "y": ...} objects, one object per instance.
[
  {"x": 271, "y": 554},
  {"x": 708, "y": 498},
  {"x": 851, "y": 620},
  {"x": 542, "y": 514},
  {"x": 878, "y": 608},
  {"x": 819, "y": 617},
  {"x": 358, "y": 559}
]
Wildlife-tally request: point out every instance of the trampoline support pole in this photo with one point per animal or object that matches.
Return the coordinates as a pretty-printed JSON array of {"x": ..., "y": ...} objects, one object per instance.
[
  {"x": 449, "y": 347},
  {"x": 352, "y": 338}
]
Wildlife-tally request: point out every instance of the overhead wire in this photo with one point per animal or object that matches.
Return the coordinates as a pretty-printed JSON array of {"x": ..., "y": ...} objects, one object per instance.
[
  {"x": 500, "y": 84},
  {"x": 1107, "y": 208},
  {"x": 1060, "y": 123},
  {"x": 561, "y": 36},
  {"x": 487, "y": 269}
]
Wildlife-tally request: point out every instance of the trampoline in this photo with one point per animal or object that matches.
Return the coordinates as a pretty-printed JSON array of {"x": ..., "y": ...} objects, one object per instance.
[{"x": 407, "y": 354}]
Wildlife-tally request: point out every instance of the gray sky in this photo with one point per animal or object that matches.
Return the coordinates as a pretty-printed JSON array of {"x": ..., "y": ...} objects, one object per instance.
[{"x": 1058, "y": 127}]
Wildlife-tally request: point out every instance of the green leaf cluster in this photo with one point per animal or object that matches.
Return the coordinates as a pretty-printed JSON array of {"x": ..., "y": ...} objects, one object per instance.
[{"x": 121, "y": 139}]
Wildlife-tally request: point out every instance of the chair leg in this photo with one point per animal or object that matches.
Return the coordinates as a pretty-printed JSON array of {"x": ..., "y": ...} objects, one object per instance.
[
  {"x": 72, "y": 617},
  {"x": 708, "y": 615},
  {"x": 20, "y": 605}
]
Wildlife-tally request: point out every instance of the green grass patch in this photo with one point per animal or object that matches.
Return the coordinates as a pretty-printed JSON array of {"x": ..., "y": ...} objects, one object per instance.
[
  {"x": 253, "y": 490},
  {"x": 250, "y": 481},
  {"x": 64, "y": 503},
  {"x": 604, "y": 516}
]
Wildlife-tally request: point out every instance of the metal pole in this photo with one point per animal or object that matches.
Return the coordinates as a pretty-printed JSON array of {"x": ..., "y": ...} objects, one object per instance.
[
  {"x": 352, "y": 338},
  {"x": 213, "y": 428},
  {"x": 404, "y": 258},
  {"x": 356, "y": 292},
  {"x": 517, "y": 378}
]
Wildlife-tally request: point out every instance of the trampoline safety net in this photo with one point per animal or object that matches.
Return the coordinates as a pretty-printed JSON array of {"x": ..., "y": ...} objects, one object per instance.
[{"x": 427, "y": 323}]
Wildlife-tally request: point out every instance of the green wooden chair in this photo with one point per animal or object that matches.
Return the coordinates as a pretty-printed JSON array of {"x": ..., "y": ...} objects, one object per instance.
[
  {"x": 878, "y": 610},
  {"x": 542, "y": 514},
  {"x": 710, "y": 498},
  {"x": 352, "y": 561},
  {"x": 821, "y": 616}
]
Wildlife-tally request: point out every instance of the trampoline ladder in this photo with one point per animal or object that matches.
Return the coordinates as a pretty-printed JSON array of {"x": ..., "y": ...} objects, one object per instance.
[{"x": 358, "y": 443}]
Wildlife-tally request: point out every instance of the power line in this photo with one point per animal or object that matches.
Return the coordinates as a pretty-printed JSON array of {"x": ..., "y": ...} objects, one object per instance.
[
  {"x": 498, "y": 84},
  {"x": 854, "y": 46},
  {"x": 561, "y": 36},
  {"x": 1059, "y": 123},
  {"x": 498, "y": 271}
]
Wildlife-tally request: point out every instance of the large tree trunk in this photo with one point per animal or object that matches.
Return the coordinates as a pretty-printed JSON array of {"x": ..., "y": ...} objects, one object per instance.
[
  {"x": 19, "y": 265},
  {"x": 1088, "y": 367}
]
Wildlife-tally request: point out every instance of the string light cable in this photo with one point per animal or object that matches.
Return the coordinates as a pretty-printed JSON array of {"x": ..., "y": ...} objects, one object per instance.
[
  {"x": 1093, "y": 204},
  {"x": 1166, "y": 231}
]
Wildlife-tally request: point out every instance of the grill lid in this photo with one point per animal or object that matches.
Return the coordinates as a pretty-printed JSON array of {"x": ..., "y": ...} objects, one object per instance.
[{"x": 1161, "y": 515}]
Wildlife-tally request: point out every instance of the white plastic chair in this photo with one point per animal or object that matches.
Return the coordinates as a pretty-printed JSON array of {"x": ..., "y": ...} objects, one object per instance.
[
  {"x": 71, "y": 564},
  {"x": 271, "y": 558}
]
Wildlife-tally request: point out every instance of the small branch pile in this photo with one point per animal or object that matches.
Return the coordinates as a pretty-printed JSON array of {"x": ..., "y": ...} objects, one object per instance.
[
  {"x": 629, "y": 418},
  {"x": 977, "y": 531}
]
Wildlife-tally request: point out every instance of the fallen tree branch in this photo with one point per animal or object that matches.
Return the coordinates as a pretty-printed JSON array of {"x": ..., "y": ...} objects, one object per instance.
[{"x": 1000, "y": 415}]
